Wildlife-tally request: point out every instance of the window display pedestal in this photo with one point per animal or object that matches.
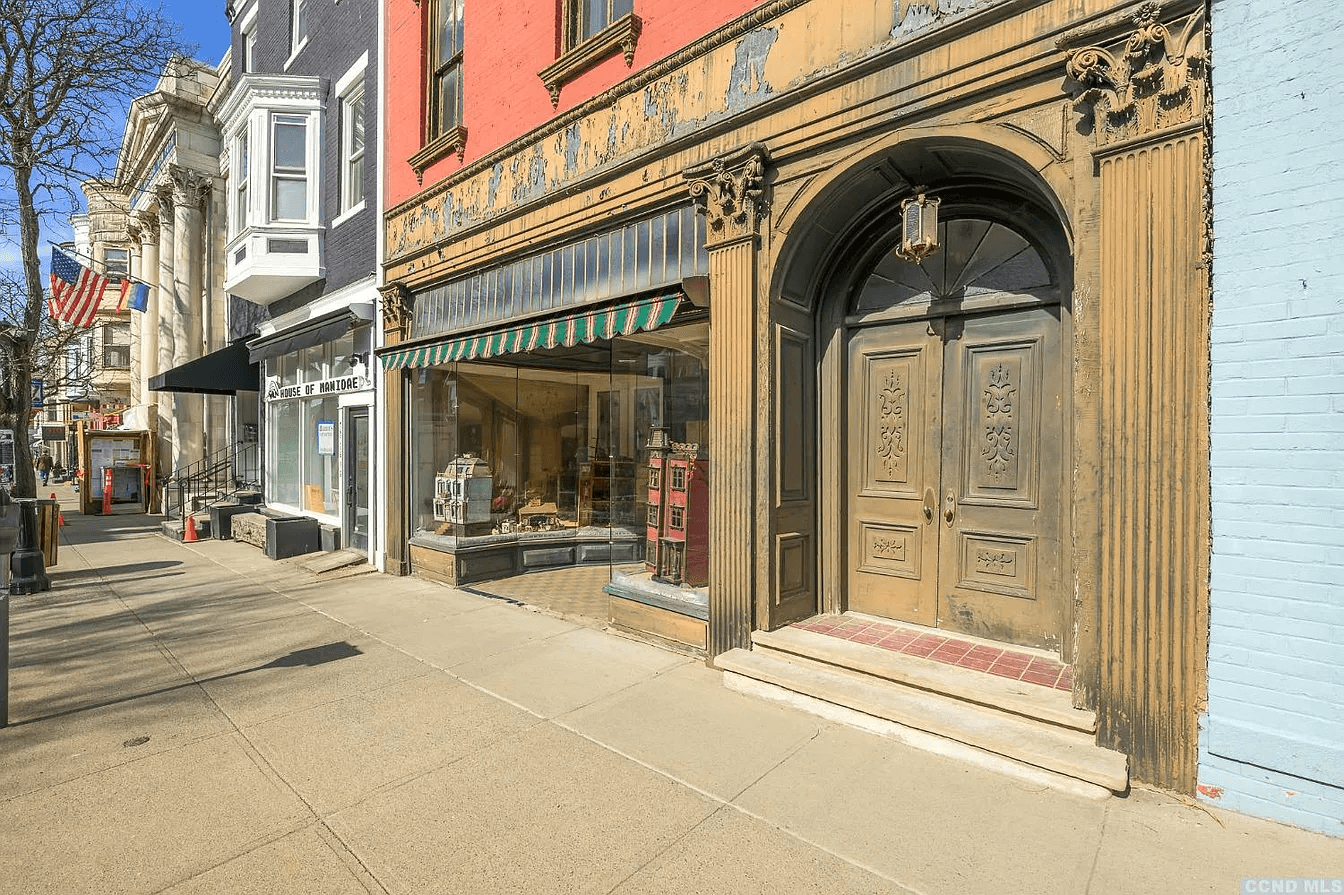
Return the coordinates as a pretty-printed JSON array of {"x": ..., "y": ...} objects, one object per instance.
[
  {"x": 643, "y": 605},
  {"x": 457, "y": 561}
]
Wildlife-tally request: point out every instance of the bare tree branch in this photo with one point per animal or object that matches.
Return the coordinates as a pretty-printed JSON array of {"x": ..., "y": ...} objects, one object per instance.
[{"x": 68, "y": 71}]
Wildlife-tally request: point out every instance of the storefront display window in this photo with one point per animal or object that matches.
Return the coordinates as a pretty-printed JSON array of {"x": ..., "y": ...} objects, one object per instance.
[
  {"x": 303, "y": 438},
  {"x": 559, "y": 442}
]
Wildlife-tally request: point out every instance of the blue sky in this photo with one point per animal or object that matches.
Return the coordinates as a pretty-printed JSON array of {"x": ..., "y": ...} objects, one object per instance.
[{"x": 203, "y": 24}]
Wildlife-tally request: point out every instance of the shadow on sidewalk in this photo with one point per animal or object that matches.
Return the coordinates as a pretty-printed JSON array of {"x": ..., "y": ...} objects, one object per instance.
[
  {"x": 130, "y": 568},
  {"x": 303, "y": 658}
]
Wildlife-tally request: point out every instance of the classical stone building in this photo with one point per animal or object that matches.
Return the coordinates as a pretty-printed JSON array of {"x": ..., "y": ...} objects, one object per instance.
[
  {"x": 168, "y": 178},
  {"x": 980, "y": 441}
]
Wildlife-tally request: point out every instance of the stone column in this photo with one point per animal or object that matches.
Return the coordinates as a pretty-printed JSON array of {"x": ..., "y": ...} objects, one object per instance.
[
  {"x": 189, "y": 189},
  {"x": 729, "y": 192},
  {"x": 136, "y": 269},
  {"x": 147, "y": 333},
  {"x": 396, "y": 312},
  {"x": 161, "y": 322},
  {"x": 1143, "y": 96}
]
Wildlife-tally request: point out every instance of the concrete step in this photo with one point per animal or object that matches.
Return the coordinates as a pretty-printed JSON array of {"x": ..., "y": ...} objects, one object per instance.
[
  {"x": 176, "y": 528},
  {"x": 1070, "y": 753},
  {"x": 1016, "y": 697}
]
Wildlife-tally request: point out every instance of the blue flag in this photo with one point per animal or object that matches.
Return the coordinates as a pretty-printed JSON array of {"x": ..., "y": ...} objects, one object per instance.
[{"x": 138, "y": 299}]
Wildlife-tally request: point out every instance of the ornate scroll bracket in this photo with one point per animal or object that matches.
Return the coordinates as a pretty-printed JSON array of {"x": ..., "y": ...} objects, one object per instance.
[
  {"x": 189, "y": 187},
  {"x": 730, "y": 191},
  {"x": 397, "y": 306},
  {"x": 1155, "y": 81}
]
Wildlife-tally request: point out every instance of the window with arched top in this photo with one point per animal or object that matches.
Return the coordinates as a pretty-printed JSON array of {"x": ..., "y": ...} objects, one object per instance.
[{"x": 975, "y": 258}]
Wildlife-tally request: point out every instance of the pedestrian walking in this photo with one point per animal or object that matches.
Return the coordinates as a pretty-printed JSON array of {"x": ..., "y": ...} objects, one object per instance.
[{"x": 44, "y": 464}]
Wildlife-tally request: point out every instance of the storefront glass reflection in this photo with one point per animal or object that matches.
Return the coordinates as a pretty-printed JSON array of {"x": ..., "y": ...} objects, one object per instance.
[{"x": 558, "y": 443}]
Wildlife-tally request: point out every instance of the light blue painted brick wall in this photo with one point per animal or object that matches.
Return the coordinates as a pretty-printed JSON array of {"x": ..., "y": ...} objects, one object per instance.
[{"x": 1272, "y": 740}]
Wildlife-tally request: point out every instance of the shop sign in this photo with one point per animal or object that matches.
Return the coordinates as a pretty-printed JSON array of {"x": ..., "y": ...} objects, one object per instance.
[{"x": 335, "y": 386}]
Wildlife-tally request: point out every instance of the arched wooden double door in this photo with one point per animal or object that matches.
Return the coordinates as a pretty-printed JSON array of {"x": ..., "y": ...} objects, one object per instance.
[{"x": 955, "y": 461}]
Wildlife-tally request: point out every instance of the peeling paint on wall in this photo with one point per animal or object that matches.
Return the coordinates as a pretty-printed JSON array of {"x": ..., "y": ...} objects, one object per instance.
[
  {"x": 919, "y": 16},
  {"x": 747, "y": 79},
  {"x": 496, "y": 173}
]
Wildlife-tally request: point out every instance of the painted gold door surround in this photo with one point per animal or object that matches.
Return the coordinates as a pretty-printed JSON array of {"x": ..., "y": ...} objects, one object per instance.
[{"x": 955, "y": 448}]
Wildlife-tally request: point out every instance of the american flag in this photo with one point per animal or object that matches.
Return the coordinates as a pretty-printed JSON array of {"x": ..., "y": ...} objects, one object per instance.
[{"x": 76, "y": 291}]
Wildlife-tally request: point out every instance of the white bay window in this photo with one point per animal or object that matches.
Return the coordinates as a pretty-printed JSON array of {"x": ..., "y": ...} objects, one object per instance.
[{"x": 273, "y": 124}]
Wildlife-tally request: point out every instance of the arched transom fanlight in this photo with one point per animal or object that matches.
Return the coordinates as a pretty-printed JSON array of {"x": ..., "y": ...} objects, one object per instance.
[{"x": 974, "y": 257}]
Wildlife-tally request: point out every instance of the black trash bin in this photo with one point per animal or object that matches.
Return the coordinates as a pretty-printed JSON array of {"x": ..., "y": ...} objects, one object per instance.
[{"x": 28, "y": 573}]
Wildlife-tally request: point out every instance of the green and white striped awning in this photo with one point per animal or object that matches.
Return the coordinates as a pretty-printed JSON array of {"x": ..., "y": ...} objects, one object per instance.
[{"x": 585, "y": 327}]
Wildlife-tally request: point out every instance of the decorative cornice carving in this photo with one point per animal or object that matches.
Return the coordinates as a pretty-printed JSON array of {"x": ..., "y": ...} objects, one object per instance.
[
  {"x": 622, "y": 34},
  {"x": 455, "y": 139},
  {"x": 134, "y": 235},
  {"x": 1154, "y": 81},
  {"x": 397, "y": 306},
  {"x": 190, "y": 187},
  {"x": 730, "y": 192}
]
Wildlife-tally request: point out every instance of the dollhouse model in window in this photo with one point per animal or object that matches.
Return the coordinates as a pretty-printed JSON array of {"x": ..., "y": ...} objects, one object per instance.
[{"x": 676, "y": 548}]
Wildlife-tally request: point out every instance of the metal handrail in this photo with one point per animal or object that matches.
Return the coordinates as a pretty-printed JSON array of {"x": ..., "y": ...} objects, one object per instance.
[{"x": 222, "y": 473}]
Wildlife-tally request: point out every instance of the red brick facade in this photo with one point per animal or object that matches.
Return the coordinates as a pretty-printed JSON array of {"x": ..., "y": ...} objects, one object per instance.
[{"x": 506, "y": 45}]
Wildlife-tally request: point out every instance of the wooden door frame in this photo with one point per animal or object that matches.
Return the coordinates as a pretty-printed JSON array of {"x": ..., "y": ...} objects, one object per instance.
[{"x": 832, "y": 337}]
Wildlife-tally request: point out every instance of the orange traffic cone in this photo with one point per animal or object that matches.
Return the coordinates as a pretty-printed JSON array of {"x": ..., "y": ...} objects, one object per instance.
[
  {"x": 189, "y": 530},
  {"x": 60, "y": 516}
]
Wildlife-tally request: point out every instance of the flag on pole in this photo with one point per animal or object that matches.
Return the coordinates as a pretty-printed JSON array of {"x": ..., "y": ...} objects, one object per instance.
[
  {"x": 133, "y": 295},
  {"x": 76, "y": 291}
]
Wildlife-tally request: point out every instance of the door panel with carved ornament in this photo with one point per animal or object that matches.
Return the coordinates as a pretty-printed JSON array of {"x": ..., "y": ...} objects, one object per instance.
[{"x": 956, "y": 474}]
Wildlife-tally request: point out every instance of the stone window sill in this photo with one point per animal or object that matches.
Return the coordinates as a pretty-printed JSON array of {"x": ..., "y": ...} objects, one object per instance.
[
  {"x": 454, "y": 140},
  {"x": 622, "y": 35}
]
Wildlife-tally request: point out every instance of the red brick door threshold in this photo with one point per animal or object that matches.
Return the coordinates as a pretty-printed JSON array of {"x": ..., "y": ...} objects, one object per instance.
[{"x": 950, "y": 650}]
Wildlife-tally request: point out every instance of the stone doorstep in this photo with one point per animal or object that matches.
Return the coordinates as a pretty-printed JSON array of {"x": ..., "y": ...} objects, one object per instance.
[
  {"x": 1004, "y": 694},
  {"x": 1071, "y": 753}
]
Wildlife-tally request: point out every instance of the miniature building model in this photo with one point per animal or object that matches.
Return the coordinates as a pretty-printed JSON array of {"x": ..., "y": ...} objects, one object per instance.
[
  {"x": 677, "y": 541},
  {"x": 462, "y": 492}
]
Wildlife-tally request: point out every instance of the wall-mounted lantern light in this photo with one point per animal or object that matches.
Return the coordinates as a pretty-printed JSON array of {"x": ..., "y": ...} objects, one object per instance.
[{"x": 919, "y": 227}]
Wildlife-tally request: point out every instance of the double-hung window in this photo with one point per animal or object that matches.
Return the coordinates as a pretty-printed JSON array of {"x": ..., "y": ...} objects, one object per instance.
[
  {"x": 289, "y": 168},
  {"x": 241, "y": 173},
  {"x": 298, "y": 20},
  {"x": 445, "y": 81},
  {"x": 584, "y": 18},
  {"x": 352, "y": 148},
  {"x": 116, "y": 263}
]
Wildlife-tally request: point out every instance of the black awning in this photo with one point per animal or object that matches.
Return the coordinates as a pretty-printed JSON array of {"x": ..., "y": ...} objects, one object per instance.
[
  {"x": 327, "y": 328},
  {"x": 223, "y": 372}
]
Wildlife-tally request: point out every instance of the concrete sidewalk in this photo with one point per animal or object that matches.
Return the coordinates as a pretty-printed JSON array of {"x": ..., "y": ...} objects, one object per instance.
[{"x": 197, "y": 718}]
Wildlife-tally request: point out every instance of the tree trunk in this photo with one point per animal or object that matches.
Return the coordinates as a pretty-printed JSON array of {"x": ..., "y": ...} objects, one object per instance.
[{"x": 21, "y": 377}]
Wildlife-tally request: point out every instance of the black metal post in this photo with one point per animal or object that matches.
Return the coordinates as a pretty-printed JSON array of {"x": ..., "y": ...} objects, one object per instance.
[{"x": 4, "y": 658}]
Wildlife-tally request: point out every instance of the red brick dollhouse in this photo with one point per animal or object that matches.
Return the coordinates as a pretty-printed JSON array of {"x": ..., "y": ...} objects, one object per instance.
[{"x": 677, "y": 548}]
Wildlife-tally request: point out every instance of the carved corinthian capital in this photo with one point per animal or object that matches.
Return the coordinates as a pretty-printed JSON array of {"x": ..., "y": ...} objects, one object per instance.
[
  {"x": 730, "y": 191},
  {"x": 1155, "y": 79},
  {"x": 147, "y": 225},
  {"x": 397, "y": 306},
  {"x": 189, "y": 187}
]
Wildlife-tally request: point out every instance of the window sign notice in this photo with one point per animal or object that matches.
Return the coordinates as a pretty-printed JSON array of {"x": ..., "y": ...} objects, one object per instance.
[{"x": 326, "y": 438}]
